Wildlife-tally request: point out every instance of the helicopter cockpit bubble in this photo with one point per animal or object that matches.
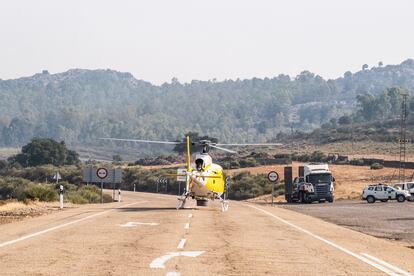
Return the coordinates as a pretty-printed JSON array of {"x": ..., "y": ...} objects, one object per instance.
[{"x": 199, "y": 164}]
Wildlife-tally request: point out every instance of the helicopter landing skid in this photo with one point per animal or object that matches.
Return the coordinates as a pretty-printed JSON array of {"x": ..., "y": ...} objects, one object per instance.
[{"x": 182, "y": 200}]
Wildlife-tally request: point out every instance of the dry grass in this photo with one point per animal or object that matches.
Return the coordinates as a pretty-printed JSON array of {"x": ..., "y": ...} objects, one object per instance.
[{"x": 11, "y": 210}]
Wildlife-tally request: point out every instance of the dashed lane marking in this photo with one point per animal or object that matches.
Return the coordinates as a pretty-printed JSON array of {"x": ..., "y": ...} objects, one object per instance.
[
  {"x": 187, "y": 226},
  {"x": 174, "y": 273},
  {"x": 181, "y": 244},
  {"x": 135, "y": 223}
]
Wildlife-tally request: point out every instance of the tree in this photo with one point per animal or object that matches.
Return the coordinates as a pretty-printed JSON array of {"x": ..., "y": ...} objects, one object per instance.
[
  {"x": 345, "y": 120},
  {"x": 333, "y": 122},
  {"x": 117, "y": 158},
  {"x": 43, "y": 152},
  {"x": 380, "y": 64},
  {"x": 365, "y": 67}
]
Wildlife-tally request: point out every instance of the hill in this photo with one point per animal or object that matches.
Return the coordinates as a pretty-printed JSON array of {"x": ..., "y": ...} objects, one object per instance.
[{"x": 79, "y": 106}]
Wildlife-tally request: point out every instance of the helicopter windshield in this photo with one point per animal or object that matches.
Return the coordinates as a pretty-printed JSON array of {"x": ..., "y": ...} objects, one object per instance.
[{"x": 199, "y": 164}]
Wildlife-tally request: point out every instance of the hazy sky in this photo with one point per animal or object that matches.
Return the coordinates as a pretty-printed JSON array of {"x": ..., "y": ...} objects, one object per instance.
[{"x": 157, "y": 40}]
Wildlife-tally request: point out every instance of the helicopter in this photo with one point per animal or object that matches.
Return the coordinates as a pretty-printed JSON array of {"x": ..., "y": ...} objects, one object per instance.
[{"x": 204, "y": 179}]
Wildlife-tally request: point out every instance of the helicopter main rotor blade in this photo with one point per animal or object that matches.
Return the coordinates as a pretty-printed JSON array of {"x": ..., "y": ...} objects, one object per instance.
[
  {"x": 142, "y": 141},
  {"x": 257, "y": 145},
  {"x": 223, "y": 149}
]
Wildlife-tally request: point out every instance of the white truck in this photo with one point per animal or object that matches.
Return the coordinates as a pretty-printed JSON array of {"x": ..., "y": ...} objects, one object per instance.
[{"x": 316, "y": 184}]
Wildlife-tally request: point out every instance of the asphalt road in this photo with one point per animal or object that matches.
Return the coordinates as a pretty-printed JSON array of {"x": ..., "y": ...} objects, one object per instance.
[
  {"x": 389, "y": 220},
  {"x": 145, "y": 235}
]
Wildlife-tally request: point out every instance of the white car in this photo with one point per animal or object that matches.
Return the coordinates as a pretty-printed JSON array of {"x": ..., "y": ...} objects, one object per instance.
[
  {"x": 408, "y": 186},
  {"x": 384, "y": 193}
]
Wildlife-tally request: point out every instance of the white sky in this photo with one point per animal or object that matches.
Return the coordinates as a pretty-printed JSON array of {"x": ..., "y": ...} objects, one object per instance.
[{"x": 157, "y": 40}]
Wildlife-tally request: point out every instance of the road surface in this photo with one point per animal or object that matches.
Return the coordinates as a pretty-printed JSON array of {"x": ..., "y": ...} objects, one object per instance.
[
  {"x": 145, "y": 235},
  {"x": 389, "y": 220}
]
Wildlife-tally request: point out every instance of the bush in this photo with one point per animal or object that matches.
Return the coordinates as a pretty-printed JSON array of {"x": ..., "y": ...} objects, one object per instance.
[
  {"x": 75, "y": 198},
  {"x": 87, "y": 194},
  {"x": 357, "y": 162},
  {"x": 376, "y": 166},
  {"x": 91, "y": 193},
  {"x": 244, "y": 185},
  {"x": 248, "y": 162},
  {"x": 13, "y": 188},
  {"x": 41, "y": 192}
]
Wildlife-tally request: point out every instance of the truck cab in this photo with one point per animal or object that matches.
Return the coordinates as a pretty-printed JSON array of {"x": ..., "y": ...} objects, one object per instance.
[
  {"x": 322, "y": 181},
  {"x": 314, "y": 183}
]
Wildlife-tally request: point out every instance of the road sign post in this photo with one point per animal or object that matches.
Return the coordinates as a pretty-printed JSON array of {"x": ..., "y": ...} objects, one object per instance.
[
  {"x": 273, "y": 177},
  {"x": 102, "y": 173}
]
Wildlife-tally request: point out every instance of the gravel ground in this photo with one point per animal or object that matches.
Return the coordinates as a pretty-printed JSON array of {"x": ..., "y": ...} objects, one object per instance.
[{"x": 389, "y": 220}]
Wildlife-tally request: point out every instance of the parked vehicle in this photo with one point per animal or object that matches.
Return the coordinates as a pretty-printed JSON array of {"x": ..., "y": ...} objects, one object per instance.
[
  {"x": 407, "y": 186},
  {"x": 316, "y": 184},
  {"x": 384, "y": 193}
]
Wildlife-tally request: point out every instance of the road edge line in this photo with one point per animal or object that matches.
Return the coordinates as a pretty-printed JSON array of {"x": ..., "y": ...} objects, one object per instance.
[
  {"x": 359, "y": 257},
  {"x": 26, "y": 237}
]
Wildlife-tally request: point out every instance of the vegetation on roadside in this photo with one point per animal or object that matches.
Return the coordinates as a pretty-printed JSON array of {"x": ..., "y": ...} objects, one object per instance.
[
  {"x": 244, "y": 186},
  {"x": 44, "y": 152},
  {"x": 23, "y": 189}
]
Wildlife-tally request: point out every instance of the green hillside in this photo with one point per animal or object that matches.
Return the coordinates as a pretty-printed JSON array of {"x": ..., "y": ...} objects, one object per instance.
[{"x": 79, "y": 106}]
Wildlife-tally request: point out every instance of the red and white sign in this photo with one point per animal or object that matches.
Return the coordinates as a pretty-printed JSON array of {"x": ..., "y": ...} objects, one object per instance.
[
  {"x": 273, "y": 176},
  {"x": 102, "y": 173}
]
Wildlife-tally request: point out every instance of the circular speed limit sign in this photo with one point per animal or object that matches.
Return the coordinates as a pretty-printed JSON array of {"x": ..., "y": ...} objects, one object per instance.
[
  {"x": 102, "y": 173},
  {"x": 273, "y": 176}
]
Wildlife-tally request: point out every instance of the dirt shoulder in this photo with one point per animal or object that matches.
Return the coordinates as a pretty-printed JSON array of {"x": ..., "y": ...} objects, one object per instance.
[{"x": 12, "y": 211}]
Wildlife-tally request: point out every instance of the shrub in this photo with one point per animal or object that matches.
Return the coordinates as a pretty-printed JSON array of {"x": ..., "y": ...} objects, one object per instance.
[
  {"x": 13, "y": 187},
  {"x": 376, "y": 166},
  {"x": 75, "y": 198},
  {"x": 248, "y": 162},
  {"x": 87, "y": 194},
  {"x": 41, "y": 192},
  {"x": 357, "y": 162}
]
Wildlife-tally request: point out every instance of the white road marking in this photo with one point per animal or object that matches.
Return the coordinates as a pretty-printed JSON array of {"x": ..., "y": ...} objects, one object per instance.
[
  {"x": 63, "y": 225},
  {"x": 190, "y": 215},
  {"x": 181, "y": 244},
  {"x": 172, "y": 274},
  {"x": 135, "y": 223},
  {"x": 359, "y": 257},
  {"x": 159, "y": 262},
  {"x": 396, "y": 269},
  {"x": 187, "y": 226}
]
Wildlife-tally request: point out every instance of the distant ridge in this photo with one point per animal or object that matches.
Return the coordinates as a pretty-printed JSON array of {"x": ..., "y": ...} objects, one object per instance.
[{"x": 80, "y": 105}]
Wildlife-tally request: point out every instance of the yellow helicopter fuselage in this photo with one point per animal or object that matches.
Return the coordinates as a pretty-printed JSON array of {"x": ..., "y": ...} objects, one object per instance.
[{"x": 208, "y": 182}]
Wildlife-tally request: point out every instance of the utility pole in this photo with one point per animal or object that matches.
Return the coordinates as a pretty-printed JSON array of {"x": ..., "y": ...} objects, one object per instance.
[{"x": 403, "y": 138}]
